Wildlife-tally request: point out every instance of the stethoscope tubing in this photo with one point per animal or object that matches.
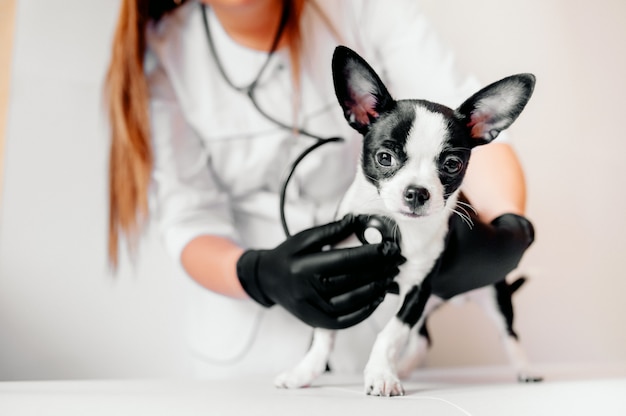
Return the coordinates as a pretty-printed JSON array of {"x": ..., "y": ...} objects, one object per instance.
[{"x": 249, "y": 91}]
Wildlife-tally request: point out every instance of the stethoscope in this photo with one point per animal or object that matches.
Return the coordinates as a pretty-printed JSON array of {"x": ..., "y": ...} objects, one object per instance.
[
  {"x": 249, "y": 91},
  {"x": 381, "y": 225}
]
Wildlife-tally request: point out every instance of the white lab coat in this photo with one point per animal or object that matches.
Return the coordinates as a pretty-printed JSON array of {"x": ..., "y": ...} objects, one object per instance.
[{"x": 219, "y": 164}]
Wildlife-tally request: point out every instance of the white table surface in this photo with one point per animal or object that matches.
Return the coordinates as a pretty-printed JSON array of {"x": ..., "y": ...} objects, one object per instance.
[{"x": 471, "y": 391}]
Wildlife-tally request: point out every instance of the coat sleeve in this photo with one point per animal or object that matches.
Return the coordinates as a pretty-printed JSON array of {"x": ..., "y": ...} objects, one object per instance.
[{"x": 187, "y": 199}]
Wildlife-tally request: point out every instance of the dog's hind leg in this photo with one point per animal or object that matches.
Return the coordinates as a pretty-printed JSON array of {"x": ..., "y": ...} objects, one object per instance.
[
  {"x": 419, "y": 342},
  {"x": 312, "y": 364},
  {"x": 496, "y": 302}
]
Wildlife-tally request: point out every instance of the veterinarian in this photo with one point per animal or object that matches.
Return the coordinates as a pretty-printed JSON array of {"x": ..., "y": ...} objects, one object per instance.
[{"x": 210, "y": 104}]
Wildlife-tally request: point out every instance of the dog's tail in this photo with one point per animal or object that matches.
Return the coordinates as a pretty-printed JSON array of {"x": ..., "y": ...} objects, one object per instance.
[{"x": 517, "y": 283}]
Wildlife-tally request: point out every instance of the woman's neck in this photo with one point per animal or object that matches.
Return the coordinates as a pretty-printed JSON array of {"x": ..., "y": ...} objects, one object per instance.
[{"x": 252, "y": 24}]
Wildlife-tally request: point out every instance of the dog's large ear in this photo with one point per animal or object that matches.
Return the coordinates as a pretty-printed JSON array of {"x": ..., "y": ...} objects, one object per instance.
[
  {"x": 360, "y": 92},
  {"x": 496, "y": 107}
]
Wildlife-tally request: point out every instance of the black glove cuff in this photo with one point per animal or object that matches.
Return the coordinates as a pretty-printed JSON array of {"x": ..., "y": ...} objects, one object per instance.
[{"x": 248, "y": 277}]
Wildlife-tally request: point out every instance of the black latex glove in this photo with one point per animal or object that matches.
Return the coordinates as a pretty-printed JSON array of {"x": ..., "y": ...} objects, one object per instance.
[
  {"x": 332, "y": 289},
  {"x": 482, "y": 255}
]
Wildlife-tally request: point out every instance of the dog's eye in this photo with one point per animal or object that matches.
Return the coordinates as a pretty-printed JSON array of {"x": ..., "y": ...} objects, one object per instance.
[
  {"x": 452, "y": 165},
  {"x": 385, "y": 159}
]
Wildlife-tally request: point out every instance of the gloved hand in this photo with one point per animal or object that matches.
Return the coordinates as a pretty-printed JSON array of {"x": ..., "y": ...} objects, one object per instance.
[
  {"x": 331, "y": 289},
  {"x": 482, "y": 255}
]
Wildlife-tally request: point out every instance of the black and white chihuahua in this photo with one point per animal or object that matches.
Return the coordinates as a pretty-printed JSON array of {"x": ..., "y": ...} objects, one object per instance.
[{"x": 415, "y": 155}]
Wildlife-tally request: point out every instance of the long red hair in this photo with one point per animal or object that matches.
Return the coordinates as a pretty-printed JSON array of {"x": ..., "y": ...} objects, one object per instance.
[{"x": 126, "y": 92}]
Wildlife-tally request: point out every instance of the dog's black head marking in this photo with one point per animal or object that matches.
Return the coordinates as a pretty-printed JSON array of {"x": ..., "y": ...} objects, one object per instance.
[{"x": 392, "y": 128}]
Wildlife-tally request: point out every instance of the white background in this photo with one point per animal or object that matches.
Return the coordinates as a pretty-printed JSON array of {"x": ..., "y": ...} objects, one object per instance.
[{"x": 63, "y": 315}]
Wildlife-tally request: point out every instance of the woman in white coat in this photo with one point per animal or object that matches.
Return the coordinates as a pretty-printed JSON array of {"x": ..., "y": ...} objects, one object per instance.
[{"x": 210, "y": 103}]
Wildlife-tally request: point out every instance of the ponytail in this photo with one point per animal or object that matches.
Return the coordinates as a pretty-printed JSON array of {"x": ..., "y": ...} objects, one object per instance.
[{"x": 130, "y": 159}]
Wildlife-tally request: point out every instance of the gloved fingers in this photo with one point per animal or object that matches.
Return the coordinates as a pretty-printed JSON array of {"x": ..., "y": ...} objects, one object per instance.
[
  {"x": 314, "y": 239},
  {"x": 351, "y": 319},
  {"x": 348, "y": 302},
  {"x": 352, "y": 260},
  {"x": 318, "y": 319},
  {"x": 330, "y": 286},
  {"x": 483, "y": 255},
  {"x": 519, "y": 226},
  {"x": 341, "y": 311},
  {"x": 393, "y": 287}
]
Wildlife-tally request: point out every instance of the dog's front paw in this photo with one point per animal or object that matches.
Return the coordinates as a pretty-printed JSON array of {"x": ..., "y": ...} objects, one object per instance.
[
  {"x": 382, "y": 383},
  {"x": 295, "y": 379}
]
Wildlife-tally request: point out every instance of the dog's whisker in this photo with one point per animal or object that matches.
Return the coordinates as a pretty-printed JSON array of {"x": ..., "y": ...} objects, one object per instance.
[
  {"x": 464, "y": 211},
  {"x": 396, "y": 232},
  {"x": 466, "y": 205},
  {"x": 369, "y": 177},
  {"x": 466, "y": 218}
]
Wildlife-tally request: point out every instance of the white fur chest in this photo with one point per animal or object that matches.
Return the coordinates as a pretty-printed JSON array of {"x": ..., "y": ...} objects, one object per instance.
[
  {"x": 421, "y": 244},
  {"x": 422, "y": 240}
]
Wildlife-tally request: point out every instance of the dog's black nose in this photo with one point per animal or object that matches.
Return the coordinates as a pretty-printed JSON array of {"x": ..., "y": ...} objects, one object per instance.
[{"x": 415, "y": 196}]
